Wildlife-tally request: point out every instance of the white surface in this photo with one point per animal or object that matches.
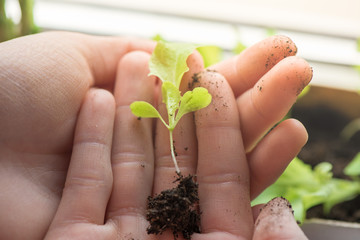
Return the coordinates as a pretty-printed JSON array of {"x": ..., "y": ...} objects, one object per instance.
[
  {"x": 319, "y": 229},
  {"x": 324, "y": 31},
  {"x": 334, "y": 17}
]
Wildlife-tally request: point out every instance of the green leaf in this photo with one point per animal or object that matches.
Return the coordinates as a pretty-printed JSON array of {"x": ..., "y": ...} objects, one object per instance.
[
  {"x": 342, "y": 190},
  {"x": 144, "y": 109},
  {"x": 353, "y": 168},
  {"x": 274, "y": 190},
  {"x": 210, "y": 54},
  {"x": 322, "y": 172},
  {"x": 302, "y": 186},
  {"x": 171, "y": 97},
  {"x": 168, "y": 61},
  {"x": 271, "y": 32},
  {"x": 304, "y": 92},
  {"x": 158, "y": 38},
  {"x": 193, "y": 100}
]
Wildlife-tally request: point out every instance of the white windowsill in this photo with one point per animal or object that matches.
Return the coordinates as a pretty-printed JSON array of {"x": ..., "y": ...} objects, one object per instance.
[{"x": 331, "y": 55}]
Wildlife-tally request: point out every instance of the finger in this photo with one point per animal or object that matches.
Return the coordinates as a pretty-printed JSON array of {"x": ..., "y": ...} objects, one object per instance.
[
  {"x": 184, "y": 138},
  {"x": 98, "y": 53},
  {"x": 132, "y": 154},
  {"x": 245, "y": 69},
  {"x": 276, "y": 221},
  {"x": 89, "y": 179},
  {"x": 273, "y": 153},
  {"x": 262, "y": 106},
  {"x": 104, "y": 53},
  {"x": 222, "y": 171}
]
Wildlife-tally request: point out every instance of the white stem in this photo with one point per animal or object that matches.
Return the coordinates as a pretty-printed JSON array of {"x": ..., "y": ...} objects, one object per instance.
[{"x": 173, "y": 153}]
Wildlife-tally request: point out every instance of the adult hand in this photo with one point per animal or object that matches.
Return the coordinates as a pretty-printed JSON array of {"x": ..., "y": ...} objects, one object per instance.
[
  {"x": 266, "y": 79},
  {"x": 38, "y": 173},
  {"x": 43, "y": 81},
  {"x": 111, "y": 175}
]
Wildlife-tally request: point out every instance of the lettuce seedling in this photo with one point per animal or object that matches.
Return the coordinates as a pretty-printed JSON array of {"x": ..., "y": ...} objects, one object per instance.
[
  {"x": 168, "y": 63},
  {"x": 305, "y": 187}
]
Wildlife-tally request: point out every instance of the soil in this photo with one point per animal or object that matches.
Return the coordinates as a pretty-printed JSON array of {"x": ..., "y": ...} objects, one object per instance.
[
  {"x": 175, "y": 209},
  {"x": 325, "y": 144}
]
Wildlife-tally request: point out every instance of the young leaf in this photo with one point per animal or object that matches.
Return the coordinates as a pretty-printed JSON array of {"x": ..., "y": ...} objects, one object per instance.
[
  {"x": 305, "y": 188},
  {"x": 144, "y": 109},
  {"x": 168, "y": 61},
  {"x": 301, "y": 185},
  {"x": 353, "y": 168},
  {"x": 193, "y": 100},
  {"x": 342, "y": 190},
  {"x": 210, "y": 54}
]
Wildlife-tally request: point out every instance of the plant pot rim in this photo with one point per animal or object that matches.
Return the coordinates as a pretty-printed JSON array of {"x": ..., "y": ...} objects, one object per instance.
[
  {"x": 319, "y": 229},
  {"x": 335, "y": 223}
]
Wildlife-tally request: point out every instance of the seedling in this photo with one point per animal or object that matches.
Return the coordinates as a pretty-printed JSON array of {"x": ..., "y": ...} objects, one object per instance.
[
  {"x": 168, "y": 63},
  {"x": 305, "y": 187}
]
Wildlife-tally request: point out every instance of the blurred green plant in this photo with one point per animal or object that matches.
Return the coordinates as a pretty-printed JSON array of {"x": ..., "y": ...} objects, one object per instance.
[
  {"x": 271, "y": 32},
  {"x": 239, "y": 47},
  {"x": 305, "y": 187},
  {"x": 9, "y": 30},
  {"x": 210, "y": 54}
]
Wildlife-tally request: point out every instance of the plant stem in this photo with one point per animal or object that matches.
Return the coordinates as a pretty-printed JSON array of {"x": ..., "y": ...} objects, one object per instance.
[
  {"x": 173, "y": 152},
  {"x": 27, "y": 17},
  {"x": 5, "y": 24}
]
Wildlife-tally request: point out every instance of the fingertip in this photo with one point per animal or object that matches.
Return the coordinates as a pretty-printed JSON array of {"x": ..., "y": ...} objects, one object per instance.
[
  {"x": 296, "y": 128},
  {"x": 101, "y": 97},
  {"x": 132, "y": 79},
  {"x": 244, "y": 70},
  {"x": 134, "y": 59},
  {"x": 103, "y": 54},
  {"x": 99, "y": 102},
  {"x": 276, "y": 221},
  {"x": 289, "y": 77},
  {"x": 222, "y": 110},
  {"x": 289, "y": 47},
  {"x": 299, "y": 70}
]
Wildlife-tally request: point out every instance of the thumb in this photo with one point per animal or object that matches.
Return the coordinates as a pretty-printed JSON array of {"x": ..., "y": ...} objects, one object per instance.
[{"x": 276, "y": 221}]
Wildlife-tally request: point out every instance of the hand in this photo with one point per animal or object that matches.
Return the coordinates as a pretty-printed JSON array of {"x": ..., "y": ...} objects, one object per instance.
[
  {"x": 35, "y": 162},
  {"x": 266, "y": 79},
  {"x": 216, "y": 154},
  {"x": 44, "y": 79}
]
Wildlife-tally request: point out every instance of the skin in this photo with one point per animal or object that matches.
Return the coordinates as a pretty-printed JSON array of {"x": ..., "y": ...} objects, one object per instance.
[{"x": 76, "y": 164}]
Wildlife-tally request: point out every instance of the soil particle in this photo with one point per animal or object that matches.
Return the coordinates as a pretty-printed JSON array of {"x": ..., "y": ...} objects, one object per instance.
[
  {"x": 195, "y": 80},
  {"x": 175, "y": 209}
]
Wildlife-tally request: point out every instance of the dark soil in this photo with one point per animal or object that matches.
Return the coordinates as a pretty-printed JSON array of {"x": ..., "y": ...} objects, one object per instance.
[
  {"x": 175, "y": 209},
  {"x": 325, "y": 144}
]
